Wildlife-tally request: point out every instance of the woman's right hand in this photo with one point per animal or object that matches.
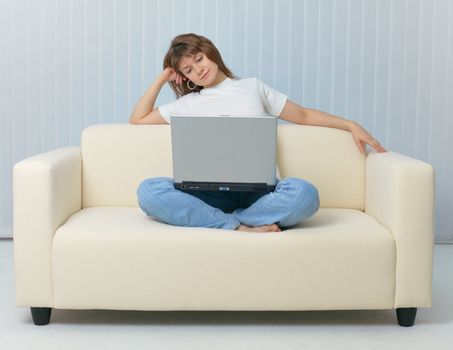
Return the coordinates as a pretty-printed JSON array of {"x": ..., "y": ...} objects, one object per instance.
[{"x": 169, "y": 74}]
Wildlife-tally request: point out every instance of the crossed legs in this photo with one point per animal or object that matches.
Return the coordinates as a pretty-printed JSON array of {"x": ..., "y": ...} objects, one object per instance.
[{"x": 292, "y": 201}]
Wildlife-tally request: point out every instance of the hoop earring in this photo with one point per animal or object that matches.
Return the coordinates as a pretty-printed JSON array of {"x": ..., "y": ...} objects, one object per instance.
[{"x": 194, "y": 85}]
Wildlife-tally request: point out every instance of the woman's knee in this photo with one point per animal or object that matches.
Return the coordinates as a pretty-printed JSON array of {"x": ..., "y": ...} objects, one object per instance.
[
  {"x": 303, "y": 202},
  {"x": 149, "y": 190},
  {"x": 154, "y": 184},
  {"x": 305, "y": 196}
]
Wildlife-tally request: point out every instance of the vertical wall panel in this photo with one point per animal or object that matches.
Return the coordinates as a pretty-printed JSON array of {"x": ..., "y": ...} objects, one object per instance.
[
  {"x": 150, "y": 64},
  {"x": 437, "y": 111},
  {"x": 281, "y": 46},
  {"x": 353, "y": 61},
  {"x": 295, "y": 59},
  {"x": 254, "y": 34},
  {"x": 411, "y": 79},
  {"x": 194, "y": 16},
  {"x": 6, "y": 115},
  {"x": 20, "y": 127},
  {"x": 381, "y": 69},
  {"x": 135, "y": 52},
  {"x": 209, "y": 19},
  {"x": 105, "y": 59},
  {"x": 310, "y": 55},
  {"x": 325, "y": 55},
  {"x": 424, "y": 71},
  {"x": 223, "y": 29},
  {"x": 387, "y": 64},
  {"x": 238, "y": 42},
  {"x": 77, "y": 77},
  {"x": 446, "y": 172},
  {"x": 48, "y": 50},
  {"x": 338, "y": 87},
  {"x": 33, "y": 86},
  {"x": 369, "y": 58},
  {"x": 61, "y": 68},
  {"x": 120, "y": 56},
  {"x": 93, "y": 17},
  {"x": 395, "y": 81},
  {"x": 163, "y": 37},
  {"x": 179, "y": 23}
]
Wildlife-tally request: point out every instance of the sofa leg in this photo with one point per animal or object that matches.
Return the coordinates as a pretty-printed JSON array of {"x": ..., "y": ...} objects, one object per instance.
[
  {"x": 41, "y": 315},
  {"x": 406, "y": 316}
]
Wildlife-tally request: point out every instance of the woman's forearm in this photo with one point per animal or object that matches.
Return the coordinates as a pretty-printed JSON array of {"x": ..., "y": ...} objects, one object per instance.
[
  {"x": 319, "y": 118},
  {"x": 146, "y": 103},
  {"x": 360, "y": 135}
]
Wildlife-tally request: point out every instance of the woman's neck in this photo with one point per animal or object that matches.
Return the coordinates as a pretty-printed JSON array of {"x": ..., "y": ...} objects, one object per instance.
[{"x": 219, "y": 78}]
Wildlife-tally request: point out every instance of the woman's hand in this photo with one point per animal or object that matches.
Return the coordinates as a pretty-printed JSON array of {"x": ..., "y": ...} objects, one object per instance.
[
  {"x": 362, "y": 138},
  {"x": 169, "y": 74}
]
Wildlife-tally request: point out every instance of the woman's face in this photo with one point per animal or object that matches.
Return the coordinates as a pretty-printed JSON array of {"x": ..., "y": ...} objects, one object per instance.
[{"x": 199, "y": 69}]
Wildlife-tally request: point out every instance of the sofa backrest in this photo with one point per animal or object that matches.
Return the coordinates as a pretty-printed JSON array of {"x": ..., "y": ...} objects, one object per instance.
[{"x": 117, "y": 157}]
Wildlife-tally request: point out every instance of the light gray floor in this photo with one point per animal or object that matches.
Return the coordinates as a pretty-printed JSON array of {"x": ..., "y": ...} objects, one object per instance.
[{"x": 94, "y": 329}]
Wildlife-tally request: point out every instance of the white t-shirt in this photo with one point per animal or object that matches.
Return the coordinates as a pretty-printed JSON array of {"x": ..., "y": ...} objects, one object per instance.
[{"x": 249, "y": 96}]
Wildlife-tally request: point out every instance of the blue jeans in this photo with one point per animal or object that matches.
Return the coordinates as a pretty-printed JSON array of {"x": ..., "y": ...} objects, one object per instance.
[{"x": 292, "y": 201}]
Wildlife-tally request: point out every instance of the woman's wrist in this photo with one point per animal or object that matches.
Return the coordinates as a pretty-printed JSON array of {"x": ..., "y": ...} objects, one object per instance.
[
  {"x": 160, "y": 81},
  {"x": 352, "y": 125}
]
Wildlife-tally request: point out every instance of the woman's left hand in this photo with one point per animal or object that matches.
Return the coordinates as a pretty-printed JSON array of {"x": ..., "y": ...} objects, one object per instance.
[{"x": 362, "y": 138}]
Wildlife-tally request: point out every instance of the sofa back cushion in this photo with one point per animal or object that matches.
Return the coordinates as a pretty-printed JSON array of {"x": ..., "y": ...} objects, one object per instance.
[
  {"x": 117, "y": 157},
  {"x": 326, "y": 157}
]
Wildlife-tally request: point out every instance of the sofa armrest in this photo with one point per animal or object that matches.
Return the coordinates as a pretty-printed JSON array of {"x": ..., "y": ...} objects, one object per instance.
[
  {"x": 400, "y": 195},
  {"x": 46, "y": 191}
]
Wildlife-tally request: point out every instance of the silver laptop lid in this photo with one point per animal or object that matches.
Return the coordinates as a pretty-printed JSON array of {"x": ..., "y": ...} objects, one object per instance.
[{"x": 238, "y": 149}]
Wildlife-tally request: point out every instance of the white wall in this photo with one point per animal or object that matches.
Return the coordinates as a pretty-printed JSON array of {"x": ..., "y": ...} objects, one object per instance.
[{"x": 387, "y": 64}]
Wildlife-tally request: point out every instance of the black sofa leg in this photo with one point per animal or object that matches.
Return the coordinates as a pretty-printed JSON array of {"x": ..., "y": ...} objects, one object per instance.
[
  {"x": 406, "y": 316},
  {"x": 40, "y": 315}
]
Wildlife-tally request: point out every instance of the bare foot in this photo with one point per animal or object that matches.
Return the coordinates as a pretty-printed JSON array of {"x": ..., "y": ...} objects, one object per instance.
[{"x": 264, "y": 228}]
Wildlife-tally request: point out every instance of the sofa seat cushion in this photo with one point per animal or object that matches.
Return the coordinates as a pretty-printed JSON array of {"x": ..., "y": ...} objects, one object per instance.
[{"x": 119, "y": 258}]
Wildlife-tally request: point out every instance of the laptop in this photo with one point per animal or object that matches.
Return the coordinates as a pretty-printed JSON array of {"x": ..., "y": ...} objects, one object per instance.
[{"x": 224, "y": 152}]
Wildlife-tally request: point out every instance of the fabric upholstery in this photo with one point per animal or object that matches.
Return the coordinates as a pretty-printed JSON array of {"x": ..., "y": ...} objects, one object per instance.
[
  {"x": 81, "y": 241},
  {"x": 46, "y": 191},
  {"x": 117, "y": 257},
  {"x": 116, "y": 158},
  {"x": 400, "y": 195},
  {"x": 326, "y": 157}
]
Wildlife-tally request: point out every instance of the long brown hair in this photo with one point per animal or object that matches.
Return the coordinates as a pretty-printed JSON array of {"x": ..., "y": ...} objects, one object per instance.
[{"x": 190, "y": 44}]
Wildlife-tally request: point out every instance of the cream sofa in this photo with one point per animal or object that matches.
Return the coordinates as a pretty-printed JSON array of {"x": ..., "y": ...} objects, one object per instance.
[{"x": 82, "y": 242}]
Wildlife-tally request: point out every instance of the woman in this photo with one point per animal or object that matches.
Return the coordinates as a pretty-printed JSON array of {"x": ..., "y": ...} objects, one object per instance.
[{"x": 197, "y": 74}]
